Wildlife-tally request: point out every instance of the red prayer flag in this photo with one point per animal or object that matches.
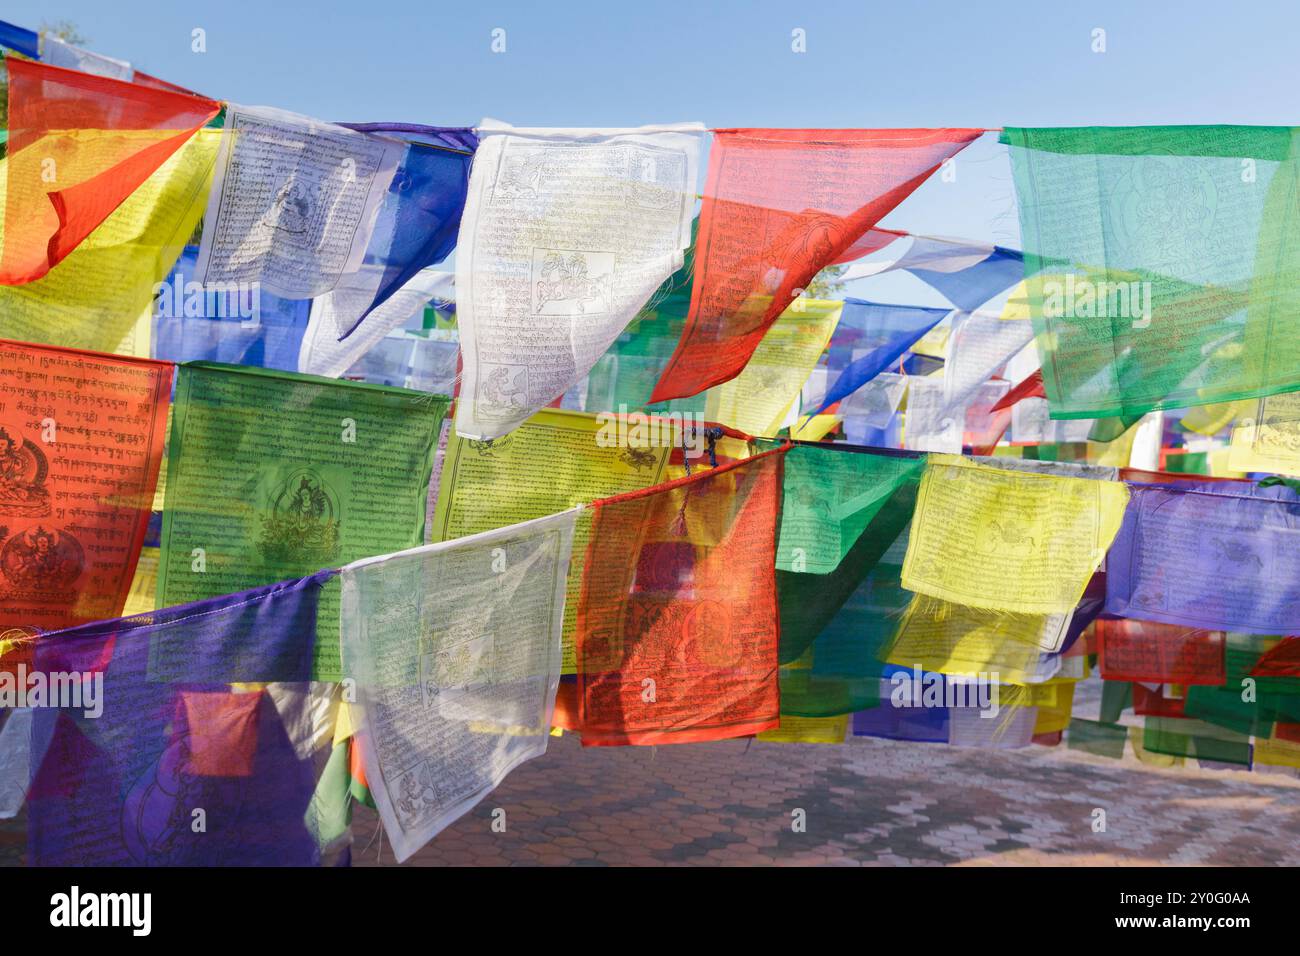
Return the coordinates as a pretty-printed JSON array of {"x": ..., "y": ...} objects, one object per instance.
[
  {"x": 1031, "y": 387},
  {"x": 779, "y": 206},
  {"x": 1157, "y": 653},
  {"x": 81, "y": 439},
  {"x": 1283, "y": 660},
  {"x": 677, "y": 632},
  {"x": 79, "y": 145}
]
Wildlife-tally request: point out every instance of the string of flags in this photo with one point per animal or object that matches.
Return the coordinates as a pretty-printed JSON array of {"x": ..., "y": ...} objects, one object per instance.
[{"x": 297, "y": 512}]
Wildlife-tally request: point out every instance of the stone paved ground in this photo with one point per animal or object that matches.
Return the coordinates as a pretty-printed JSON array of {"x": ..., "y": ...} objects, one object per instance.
[{"x": 867, "y": 802}]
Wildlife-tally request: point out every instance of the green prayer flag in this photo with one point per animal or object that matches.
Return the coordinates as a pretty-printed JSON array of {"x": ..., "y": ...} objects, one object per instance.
[
  {"x": 273, "y": 475},
  {"x": 1162, "y": 263}
]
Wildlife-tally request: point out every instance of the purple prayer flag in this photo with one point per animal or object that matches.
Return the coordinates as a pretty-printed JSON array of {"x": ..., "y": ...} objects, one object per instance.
[
  {"x": 1219, "y": 556},
  {"x": 153, "y": 731}
]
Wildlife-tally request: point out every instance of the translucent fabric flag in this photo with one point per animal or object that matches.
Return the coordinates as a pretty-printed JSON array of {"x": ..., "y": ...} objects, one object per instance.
[
  {"x": 836, "y": 628},
  {"x": 1267, "y": 439},
  {"x": 1216, "y": 556},
  {"x": 58, "y": 52},
  {"x": 248, "y": 326},
  {"x": 325, "y": 349},
  {"x": 807, "y": 730},
  {"x": 78, "y": 146},
  {"x": 294, "y": 201},
  {"x": 831, "y": 494},
  {"x": 119, "y": 787},
  {"x": 1194, "y": 738},
  {"x": 81, "y": 439},
  {"x": 1097, "y": 738},
  {"x": 962, "y": 641},
  {"x": 418, "y": 220},
  {"x": 759, "y": 399},
  {"x": 1029, "y": 387},
  {"x": 873, "y": 406},
  {"x": 1151, "y": 652},
  {"x": 1182, "y": 245},
  {"x": 979, "y": 347},
  {"x": 678, "y": 591},
  {"x": 967, "y": 274},
  {"x": 26, "y": 42},
  {"x": 319, "y": 471},
  {"x": 455, "y": 650},
  {"x": 94, "y": 298},
  {"x": 870, "y": 338},
  {"x": 15, "y": 759},
  {"x": 779, "y": 206},
  {"x": 554, "y": 461},
  {"x": 1007, "y": 541},
  {"x": 567, "y": 233}
]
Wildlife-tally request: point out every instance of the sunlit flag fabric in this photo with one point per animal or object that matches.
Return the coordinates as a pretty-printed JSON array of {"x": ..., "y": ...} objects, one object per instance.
[
  {"x": 294, "y": 201},
  {"x": 566, "y": 235},
  {"x": 249, "y": 326},
  {"x": 212, "y": 742},
  {"x": 870, "y": 338},
  {"x": 78, "y": 146},
  {"x": 273, "y": 474},
  {"x": 1012, "y": 542},
  {"x": 835, "y": 628},
  {"x": 455, "y": 651},
  {"x": 418, "y": 219},
  {"x": 779, "y": 206},
  {"x": 95, "y": 298},
  {"x": 81, "y": 440},
  {"x": 968, "y": 274},
  {"x": 1210, "y": 555},
  {"x": 831, "y": 494},
  {"x": 26, "y": 42},
  {"x": 1183, "y": 271},
  {"x": 331, "y": 345},
  {"x": 677, "y": 630}
]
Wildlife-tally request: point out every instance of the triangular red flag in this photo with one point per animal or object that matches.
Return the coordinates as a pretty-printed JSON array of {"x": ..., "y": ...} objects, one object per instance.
[{"x": 79, "y": 145}]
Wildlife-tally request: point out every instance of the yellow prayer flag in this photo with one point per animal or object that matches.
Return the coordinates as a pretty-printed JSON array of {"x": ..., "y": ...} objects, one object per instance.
[
  {"x": 1012, "y": 541},
  {"x": 757, "y": 400},
  {"x": 94, "y": 297}
]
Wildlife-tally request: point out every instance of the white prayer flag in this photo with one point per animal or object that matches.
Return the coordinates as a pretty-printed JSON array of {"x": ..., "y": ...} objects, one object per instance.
[
  {"x": 294, "y": 201},
  {"x": 566, "y": 234},
  {"x": 335, "y": 314},
  {"x": 455, "y": 651}
]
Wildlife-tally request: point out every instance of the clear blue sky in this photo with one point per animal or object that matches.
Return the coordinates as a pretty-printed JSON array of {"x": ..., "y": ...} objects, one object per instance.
[{"x": 869, "y": 63}]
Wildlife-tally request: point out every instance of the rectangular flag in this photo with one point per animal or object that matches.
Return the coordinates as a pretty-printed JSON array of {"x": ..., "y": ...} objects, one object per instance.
[
  {"x": 94, "y": 298},
  {"x": 1009, "y": 541},
  {"x": 81, "y": 441},
  {"x": 455, "y": 651},
  {"x": 566, "y": 235},
  {"x": 1219, "y": 556},
  {"x": 294, "y": 201},
  {"x": 1180, "y": 248},
  {"x": 272, "y": 474},
  {"x": 131, "y": 763},
  {"x": 78, "y": 146},
  {"x": 677, "y": 627}
]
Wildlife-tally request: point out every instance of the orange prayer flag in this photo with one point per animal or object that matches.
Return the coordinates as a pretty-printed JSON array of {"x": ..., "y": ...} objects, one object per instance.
[
  {"x": 81, "y": 440},
  {"x": 779, "y": 206},
  {"x": 677, "y": 634},
  {"x": 78, "y": 146}
]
